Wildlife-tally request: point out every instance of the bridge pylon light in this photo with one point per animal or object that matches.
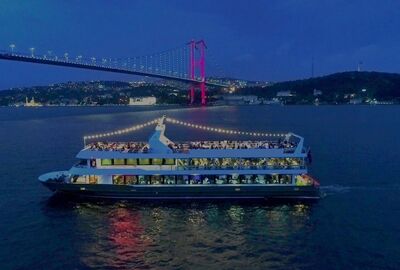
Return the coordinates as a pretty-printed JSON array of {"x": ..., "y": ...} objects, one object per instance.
[
  {"x": 197, "y": 68},
  {"x": 32, "y": 51}
]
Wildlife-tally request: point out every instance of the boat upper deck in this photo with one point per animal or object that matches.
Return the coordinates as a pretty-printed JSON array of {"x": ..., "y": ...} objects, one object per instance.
[
  {"x": 228, "y": 144},
  {"x": 126, "y": 147},
  {"x": 159, "y": 146},
  {"x": 184, "y": 147}
]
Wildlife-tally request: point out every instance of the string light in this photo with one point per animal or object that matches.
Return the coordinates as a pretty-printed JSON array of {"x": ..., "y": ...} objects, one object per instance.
[
  {"x": 187, "y": 124},
  {"x": 122, "y": 131},
  {"x": 221, "y": 130}
]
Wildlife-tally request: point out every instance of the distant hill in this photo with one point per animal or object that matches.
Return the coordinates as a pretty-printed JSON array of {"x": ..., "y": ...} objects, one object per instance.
[{"x": 379, "y": 85}]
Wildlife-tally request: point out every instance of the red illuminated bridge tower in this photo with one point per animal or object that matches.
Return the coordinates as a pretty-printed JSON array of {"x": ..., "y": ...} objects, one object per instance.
[{"x": 197, "y": 69}]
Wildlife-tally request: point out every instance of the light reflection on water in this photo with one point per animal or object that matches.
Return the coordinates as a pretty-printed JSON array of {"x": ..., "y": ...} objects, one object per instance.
[{"x": 128, "y": 235}]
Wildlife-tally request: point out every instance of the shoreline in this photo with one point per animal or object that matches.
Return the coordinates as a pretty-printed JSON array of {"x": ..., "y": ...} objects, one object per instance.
[{"x": 196, "y": 106}]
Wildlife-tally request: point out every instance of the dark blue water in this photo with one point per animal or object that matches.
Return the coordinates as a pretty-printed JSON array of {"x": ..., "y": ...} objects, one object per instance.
[{"x": 356, "y": 226}]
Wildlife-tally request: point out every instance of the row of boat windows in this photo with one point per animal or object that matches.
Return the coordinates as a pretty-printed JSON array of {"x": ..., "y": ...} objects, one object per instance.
[
  {"x": 137, "y": 161},
  {"x": 197, "y": 179},
  {"x": 204, "y": 163}
]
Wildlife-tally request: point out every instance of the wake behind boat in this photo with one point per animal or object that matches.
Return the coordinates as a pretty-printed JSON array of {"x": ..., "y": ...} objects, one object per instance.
[{"x": 163, "y": 169}]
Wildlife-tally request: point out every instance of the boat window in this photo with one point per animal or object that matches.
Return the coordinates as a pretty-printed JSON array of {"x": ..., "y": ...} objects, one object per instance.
[
  {"x": 131, "y": 180},
  {"x": 274, "y": 179},
  {"x": 221, "y": 179},
  {"x": 269, "y": 179},
  {"x": 233, "y": 179},
  {"x": 208, "y": 179},
  {"x": 214, "y": 163},
  {"x": 285, "y": 179},
  {"x": 199, "y": 162},
  {"x": 79, "y": 179},
  {"x": 118, "y": 179},
  {"x": 182, "y": 162},
  {"x": 195, "y": 180},
  {"x": 93, "y": 179},
  {"x": 156, "y": 161},
  {"x": 131, "y": 161},
  {"x": 295, "y": 162},
  {"x": 247, "y": 179},
  {"x": 74, "y": 178},
  {"x": 143, "y": 179},
  {"x": 181, "y": 179},
  {"x": 169, "y": 161},
  {"x": 106, "y": 162},
  {"x": 226, "y": 163},
  {"x": 144, "y": 161},
  {"x": 260, "y": 179},
  {"x": 156, "y": 180},
  {"x": 119, "y": 161},
  {"x": 93, "y": 163},
  {"x": 169, "y": 179}
]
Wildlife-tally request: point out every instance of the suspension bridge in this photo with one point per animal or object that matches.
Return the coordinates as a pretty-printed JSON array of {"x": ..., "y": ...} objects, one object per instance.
[{"x": 185, "y": 64}]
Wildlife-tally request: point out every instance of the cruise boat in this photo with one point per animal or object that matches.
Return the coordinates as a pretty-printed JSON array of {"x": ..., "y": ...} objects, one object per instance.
[{"x": 160, "y": 168}]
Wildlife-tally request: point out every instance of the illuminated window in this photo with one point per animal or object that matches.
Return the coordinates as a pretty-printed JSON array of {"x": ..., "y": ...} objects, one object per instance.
[
  {"x": 208, "y": 179},
  {"x": 157, "y": 161},
  {"x": 233, "y": 179},
  {"x": 195, "y": 179},
  {"x": 144, "y": 161},
  {"x": 131, "y": 180},
  {"x": 182, "y": 179},
  {"x": 119, "y": 161},
  {"x": 144, "y": 179},
  {"x": 118, "y": 179},
  {"x": 131, "y": 161},
  {"x": 275, "y": 179},
  {"x": 156, "y": 180},
  {"x": 285, "y": 179},
  {"x": 247, "y": 179},
  {"x": 106, "y": 162},
  {"x": 221, "y": 179},
  {"x": 93, "y": 179},
  {"x": 182, "y": 162},
  {"x": 169, "y": 161},
  {"x": 169, "y": 179},
  {"x": 260, "y": 179},
  {"x": 269, "y": 179}
]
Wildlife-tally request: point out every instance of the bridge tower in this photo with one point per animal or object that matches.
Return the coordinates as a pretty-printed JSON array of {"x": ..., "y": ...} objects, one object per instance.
[{"x": 197, "y": 66}]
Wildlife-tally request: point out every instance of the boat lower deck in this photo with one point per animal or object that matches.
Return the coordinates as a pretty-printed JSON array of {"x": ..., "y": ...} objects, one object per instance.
[{"x": 187, "y": 191}]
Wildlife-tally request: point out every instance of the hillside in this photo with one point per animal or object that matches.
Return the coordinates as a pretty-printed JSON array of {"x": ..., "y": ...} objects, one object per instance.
[{"x": 335, "y": 87}]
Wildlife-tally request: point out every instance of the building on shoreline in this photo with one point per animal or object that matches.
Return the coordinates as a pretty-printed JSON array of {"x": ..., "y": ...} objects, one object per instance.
[
  {"x": 142, "y": 101},
  {"x": 32, "y": 103}
]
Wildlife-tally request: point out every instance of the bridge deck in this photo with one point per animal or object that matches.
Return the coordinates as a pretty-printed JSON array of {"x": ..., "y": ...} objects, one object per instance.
[{"x": 73, "y": 64}]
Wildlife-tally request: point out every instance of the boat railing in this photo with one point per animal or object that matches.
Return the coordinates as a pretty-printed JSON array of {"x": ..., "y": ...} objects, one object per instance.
[
  {"x": 265, "y": 167},
  {"x": 185, "y": 147}
]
